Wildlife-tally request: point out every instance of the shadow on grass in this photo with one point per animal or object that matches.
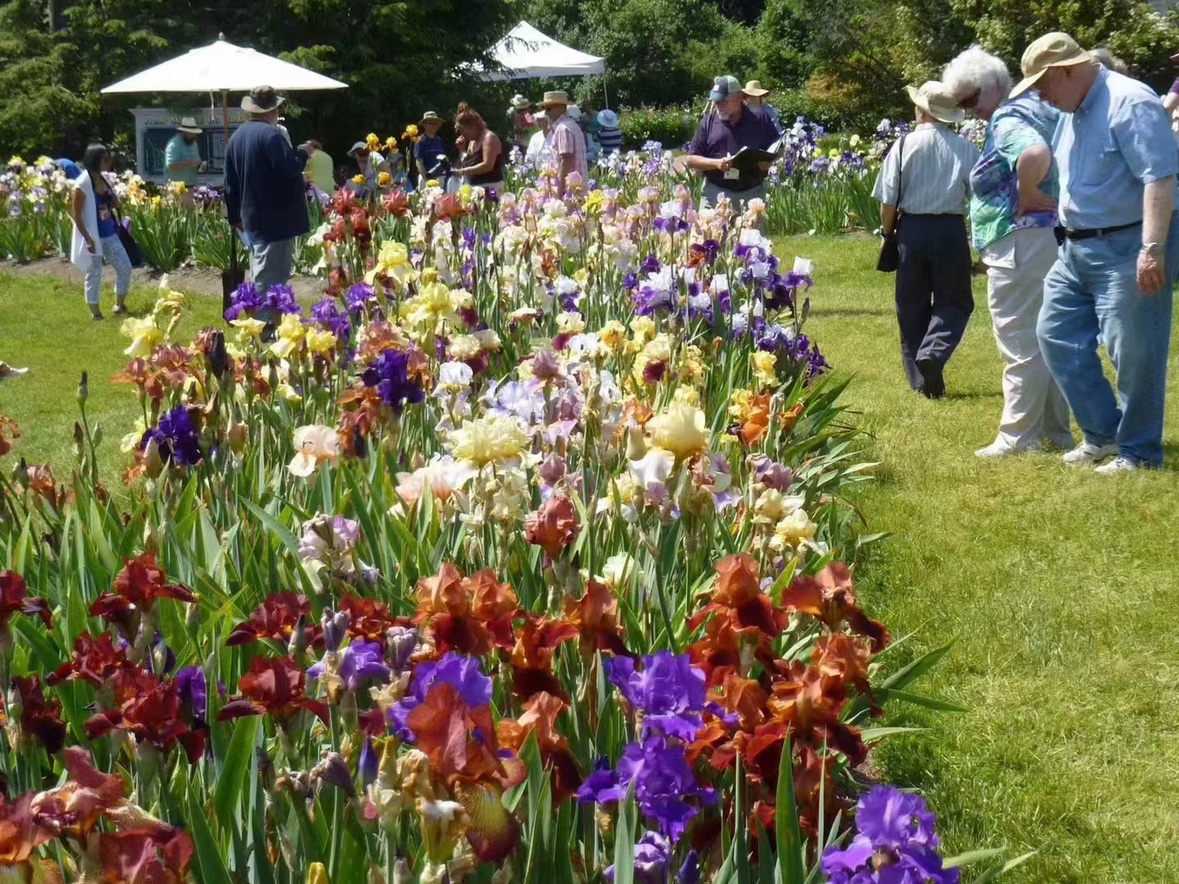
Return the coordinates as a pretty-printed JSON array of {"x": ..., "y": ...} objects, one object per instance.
[
  {"x": 839, "y": 313},
  {"x": 974, "y": 394}
]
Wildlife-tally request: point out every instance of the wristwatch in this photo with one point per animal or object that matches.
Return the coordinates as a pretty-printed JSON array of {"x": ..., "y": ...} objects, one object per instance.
[{"x": 1152, "y": 248}]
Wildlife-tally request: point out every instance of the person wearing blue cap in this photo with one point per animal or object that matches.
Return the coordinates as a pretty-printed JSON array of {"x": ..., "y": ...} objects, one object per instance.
[{"x": 729, "y": 126}]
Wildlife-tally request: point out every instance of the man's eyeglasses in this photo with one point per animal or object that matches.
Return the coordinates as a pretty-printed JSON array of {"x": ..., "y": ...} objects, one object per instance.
[{"x": 970, "y": 100}]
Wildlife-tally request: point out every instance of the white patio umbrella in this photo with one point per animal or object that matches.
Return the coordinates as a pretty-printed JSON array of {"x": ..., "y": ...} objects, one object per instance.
[{"x": 223, "y": 67}]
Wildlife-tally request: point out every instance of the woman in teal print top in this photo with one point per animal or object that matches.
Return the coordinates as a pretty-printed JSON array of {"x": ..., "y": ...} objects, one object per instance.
[{"x": 1012, "y": 216}]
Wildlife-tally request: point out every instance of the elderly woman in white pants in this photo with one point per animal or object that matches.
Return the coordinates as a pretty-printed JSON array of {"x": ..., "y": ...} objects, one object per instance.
[
  {"x": 95, "y": 236},
  {"x": 1012, "y": 214}
]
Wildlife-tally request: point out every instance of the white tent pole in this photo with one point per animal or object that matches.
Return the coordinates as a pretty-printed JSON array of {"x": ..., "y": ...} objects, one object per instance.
[{"x": 605, "y": 94}]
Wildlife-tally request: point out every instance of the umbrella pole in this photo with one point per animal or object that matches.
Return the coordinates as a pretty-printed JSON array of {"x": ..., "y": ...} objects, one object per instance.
[{"x": 605, "y": 94}]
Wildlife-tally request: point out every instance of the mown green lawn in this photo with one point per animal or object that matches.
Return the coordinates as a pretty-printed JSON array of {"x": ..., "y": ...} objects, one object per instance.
[
  {"x": 46, "y": 327},
  {"x": 1058, "y": 586}
]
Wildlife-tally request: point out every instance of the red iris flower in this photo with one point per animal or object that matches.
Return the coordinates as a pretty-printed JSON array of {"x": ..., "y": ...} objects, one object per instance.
[
  {"x": 532, "y": 657},
  {"x": 397, "y": 203},
  {"x": 596, "y": 617},
  {"x": 150, "y": 709},
  {"x": 76, "y": 808},
  {"x": 40, "y": 717},
  {"x": 95, "y": 660},
  {"x": 540, "y": 718},
  {"x": 828, "y": 596},
  {"x": 275, "y": 619},
  {"x": 137, "y": 588},
  {"x": 463, "y": 750},
  {"x": 146, "y": 856},
  {"x": 554, "y": 527},
  {"x": 369, "y": 619},
  {"x": 20, "y": 834},
  {"x": 276, "y": 688},
  {"x": 742, "y": 620},
  {"x": 470, "y": 615},
  {"x": 14, "y": 599}
]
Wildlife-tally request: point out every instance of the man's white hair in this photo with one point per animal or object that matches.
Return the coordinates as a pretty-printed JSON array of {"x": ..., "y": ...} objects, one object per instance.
[{"x": 976, "y": 69}]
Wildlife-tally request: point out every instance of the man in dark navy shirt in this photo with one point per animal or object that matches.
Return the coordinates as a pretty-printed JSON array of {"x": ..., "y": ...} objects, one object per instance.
[
  {"x": 728, "y": 127},
  {"x": 429, "y": 153},
  {"x": 264, "y": 191}
]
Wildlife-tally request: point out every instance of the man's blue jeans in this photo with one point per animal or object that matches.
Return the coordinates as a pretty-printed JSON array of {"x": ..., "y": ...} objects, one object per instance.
[{"x": 1092, "y": 290}]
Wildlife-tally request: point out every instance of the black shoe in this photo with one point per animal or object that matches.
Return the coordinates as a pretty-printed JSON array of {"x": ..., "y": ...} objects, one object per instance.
[
  {"x": 97, "y": 317},
  {"x": 935, "y": 384}
]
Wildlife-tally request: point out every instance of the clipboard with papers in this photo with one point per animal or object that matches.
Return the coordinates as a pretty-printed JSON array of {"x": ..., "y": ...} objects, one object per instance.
[{"x": 748, "y": 159}]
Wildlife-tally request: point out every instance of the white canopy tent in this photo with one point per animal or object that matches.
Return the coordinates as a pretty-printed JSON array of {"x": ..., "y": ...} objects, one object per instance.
[
  {"x": 223, "y": 67},
  {"x": 527, "y": 54}
]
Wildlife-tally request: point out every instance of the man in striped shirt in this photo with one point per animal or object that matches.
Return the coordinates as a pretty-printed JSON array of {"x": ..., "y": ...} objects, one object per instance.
[
  {"x": 923, "y": 188},
  {"x": 567, "y": 140}
]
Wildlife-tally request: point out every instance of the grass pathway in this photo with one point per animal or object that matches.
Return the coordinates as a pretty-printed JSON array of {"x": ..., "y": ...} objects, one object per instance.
[{"x": 1060, "y": 587}]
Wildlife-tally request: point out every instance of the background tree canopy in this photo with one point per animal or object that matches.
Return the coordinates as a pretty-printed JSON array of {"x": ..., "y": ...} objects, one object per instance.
[{"x": 842, "y": 61}]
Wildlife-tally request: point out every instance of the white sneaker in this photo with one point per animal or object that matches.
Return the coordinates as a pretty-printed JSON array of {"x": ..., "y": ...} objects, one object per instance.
[
  {"x": 1086, "y": 455},
  {"x": 997, "y": 449},
  {"x": 1117, "y": 465}
]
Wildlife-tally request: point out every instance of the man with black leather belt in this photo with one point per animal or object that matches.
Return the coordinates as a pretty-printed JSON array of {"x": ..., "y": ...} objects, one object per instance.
[{"x": 1119, "y": 253}]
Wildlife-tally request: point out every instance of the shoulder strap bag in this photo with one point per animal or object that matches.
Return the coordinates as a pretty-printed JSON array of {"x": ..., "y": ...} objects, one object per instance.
[{"x": 890, "y": 252}]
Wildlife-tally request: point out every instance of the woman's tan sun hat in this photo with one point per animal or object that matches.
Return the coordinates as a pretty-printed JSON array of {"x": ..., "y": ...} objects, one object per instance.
[
  {"x": 1055, "y": 50},
  {"x": 935, "y": 99},
  {"x": 754, "y": 89}
]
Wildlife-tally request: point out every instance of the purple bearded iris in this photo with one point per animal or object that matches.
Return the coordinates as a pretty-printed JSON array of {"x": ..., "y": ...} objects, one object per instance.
[
  {"x": 360, "y": 296},
  {"x": 462, "y": 673},
  {"x": 390, "y": 375},
  {"x": 896, "y": 844},
  {"x": 328, "y": 317},
  {"x": 670, "y": 691},
  {"x": 663, "y": 783},
  {"x": 357, "y": 664},
  {"x": 177, "y": 438},
  {"x": 652, "y": 860},
  {"x": 194, "y": 692}
]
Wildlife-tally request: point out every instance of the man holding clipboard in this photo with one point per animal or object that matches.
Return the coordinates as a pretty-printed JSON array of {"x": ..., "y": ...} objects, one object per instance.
[{"x": 733, "y": 147}]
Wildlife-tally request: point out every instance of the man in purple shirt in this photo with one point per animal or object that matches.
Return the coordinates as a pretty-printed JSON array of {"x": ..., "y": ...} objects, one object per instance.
[{"x": 729, "y": 126}]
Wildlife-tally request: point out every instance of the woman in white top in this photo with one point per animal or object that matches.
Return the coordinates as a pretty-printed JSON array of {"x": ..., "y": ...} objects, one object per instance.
[{"x": 95, "y": 233}]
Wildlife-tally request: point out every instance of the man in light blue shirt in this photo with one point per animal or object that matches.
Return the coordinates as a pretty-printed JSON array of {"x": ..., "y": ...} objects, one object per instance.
[
  {"x": 1119, "y": 254},
  {"x": 182, "y": 156}
]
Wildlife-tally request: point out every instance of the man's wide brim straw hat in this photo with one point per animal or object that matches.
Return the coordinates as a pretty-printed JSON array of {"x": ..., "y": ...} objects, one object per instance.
[
  {"x": 935, "y": 99},
  {"x": 551, "y": 99},
  {"x": 1055, "y": 50},
  {"x": 188, "y": 124},
  {"x": 430, "y": 117}
]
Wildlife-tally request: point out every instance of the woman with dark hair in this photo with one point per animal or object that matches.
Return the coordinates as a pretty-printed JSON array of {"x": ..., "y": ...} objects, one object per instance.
[
  {"x": 95, "y": 236},
  {"x": 481, "y": 162}
]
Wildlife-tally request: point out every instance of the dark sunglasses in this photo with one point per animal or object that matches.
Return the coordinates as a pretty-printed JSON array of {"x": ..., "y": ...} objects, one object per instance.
[{"x": 970, "y": 100}]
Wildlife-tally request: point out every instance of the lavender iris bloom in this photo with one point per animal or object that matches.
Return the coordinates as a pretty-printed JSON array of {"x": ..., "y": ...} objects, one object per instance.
[
  {"x": 461, "y": 673},
  {"x": 670, "y": 691},
  {"x": 357, "y": 664},
  {"x": 652, "y": 860},
  {"x": 896, "y": 844},
  {"x": 663, "y": 783},
  {"x": 328, "y": 316}
]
